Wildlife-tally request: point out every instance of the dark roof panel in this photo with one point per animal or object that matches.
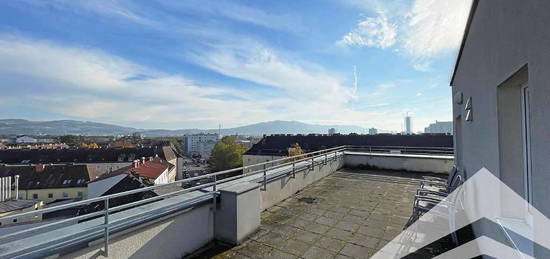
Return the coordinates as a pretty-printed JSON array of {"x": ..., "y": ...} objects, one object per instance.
[
  {"x": 277, "y": 145},
  {"x": 18, "y": 156}
]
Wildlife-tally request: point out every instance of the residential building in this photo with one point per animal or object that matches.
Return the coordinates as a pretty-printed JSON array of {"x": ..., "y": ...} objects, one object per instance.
[
  {"x": 443, "y": 127},
  {"x": 150, "y": 171},
  {"x": 373, "y": 131},
  {"x": 331, "y": 131},
  {"x": 200, "y": 144},
  {"x": 47, "y": 182},
  {"x": 500, "y": 109},
  {"x": 25, "y": 139}
]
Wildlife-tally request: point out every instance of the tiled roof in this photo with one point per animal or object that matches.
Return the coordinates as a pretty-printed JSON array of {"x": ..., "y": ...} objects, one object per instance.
[
  {"x": 149, "y": 170},
  {"x": 50, "y": 176},
  {"x": 98, "y": 155}
]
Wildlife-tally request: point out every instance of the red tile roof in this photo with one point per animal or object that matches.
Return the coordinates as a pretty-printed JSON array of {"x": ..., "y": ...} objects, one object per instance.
[{"x": 150, "y": 169}]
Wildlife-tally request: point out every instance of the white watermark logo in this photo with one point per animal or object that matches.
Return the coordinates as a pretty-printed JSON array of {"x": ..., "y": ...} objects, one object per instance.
[{"x": 504, "y": 225}]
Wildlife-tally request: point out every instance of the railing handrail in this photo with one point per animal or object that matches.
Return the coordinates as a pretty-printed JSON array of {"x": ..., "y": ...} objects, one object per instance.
[
  {"x": 275, "y": 164},
  {"x": 302, "y": 157},
  {"x": 158, "y": 186}
]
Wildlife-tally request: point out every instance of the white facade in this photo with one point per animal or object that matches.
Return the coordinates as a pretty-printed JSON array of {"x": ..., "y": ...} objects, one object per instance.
[
  {"x": 445, "y": 127},
  {"x": 408, "y": 125},
  {"x": 200, "y": 144},
  {"x": 25, "y": 139}
]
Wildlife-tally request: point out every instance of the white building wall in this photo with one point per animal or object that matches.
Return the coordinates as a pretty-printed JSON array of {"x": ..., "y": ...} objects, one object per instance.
[
  {"x": 163, "y": 178},
  {"x": 200, "y": 144}
]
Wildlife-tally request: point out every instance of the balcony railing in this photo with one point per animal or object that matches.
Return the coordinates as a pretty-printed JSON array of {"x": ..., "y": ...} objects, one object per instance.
[{"x": 209, "y": 191}]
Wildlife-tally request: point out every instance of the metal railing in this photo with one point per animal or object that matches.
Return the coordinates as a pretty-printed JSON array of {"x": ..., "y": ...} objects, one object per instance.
[
  {"x": 403, "y": 150},
  {"x": 107, "y": 209},
  {"x": 310, "y": 158}
]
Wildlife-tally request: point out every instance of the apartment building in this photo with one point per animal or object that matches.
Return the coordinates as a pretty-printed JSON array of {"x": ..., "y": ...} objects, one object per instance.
[
  {"x": 48, "y": 182},
  {"x": 200, "y": 144}
]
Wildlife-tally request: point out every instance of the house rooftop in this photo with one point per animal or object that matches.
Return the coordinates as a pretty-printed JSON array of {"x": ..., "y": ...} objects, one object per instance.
[
  {"x": 150, "y": 169},
  {"x": 50, "y": 176},
  {"x": 13, "y": 205},
  {"x": 81, "y": 155},
  {"x": 277, "y": 145}
]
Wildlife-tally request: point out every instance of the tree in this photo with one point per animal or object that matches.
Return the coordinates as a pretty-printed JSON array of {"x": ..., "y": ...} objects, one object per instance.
[
  {"x": 227, "y": 154},
  {"x": 295, "y": 150}
]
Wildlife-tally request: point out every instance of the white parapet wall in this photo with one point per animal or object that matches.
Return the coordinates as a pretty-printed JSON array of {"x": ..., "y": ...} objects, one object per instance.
[
  {"x": 406, "y": 162},
  {"x": 285, "y": 185}
]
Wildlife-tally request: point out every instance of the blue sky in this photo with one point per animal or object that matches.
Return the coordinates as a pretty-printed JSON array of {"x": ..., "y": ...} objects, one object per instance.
[{"x": 198, "y": 63}]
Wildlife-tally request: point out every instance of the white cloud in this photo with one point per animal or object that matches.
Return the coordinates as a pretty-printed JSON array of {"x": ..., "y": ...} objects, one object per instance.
[
  {"x": 91, "y": 84},
  {"x": 421, "y": 31},
  {"x": 372, "y": 32},
  {"x": 253, "y": 62},
  {"x": 435, "y": 26},
  {"x": 121, "y": 10}
]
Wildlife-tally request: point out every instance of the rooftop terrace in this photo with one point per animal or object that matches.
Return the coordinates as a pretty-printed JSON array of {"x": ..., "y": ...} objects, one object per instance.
[
  {"x": 349, "y": 214},
  {"x": 319, "y": 206}
]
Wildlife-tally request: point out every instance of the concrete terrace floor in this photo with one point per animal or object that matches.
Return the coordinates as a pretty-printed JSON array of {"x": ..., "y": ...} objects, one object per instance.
[{"x": 349, "y": 214}]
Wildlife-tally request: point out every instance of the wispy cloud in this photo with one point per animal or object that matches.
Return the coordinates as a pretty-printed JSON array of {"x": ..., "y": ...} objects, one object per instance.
[
  {"x": 424, "y": 31},
  {"x": 435, "y": 26},
  {"x": 254, "y": 62},
  {"x": 371, "y": 32},
  {"x": 239, "y": 13},
  {"x": 118, "y": 9}
]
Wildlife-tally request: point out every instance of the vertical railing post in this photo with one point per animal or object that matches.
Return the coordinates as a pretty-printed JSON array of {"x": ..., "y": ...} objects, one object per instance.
[
  {"x": 265, "y": 178},
  {"x": 293, "y": 169},
  {"x": 215, "y": 200},
  {"x": 326, "y": 159},
  {"x": 106, "y": 233},
  {"x": 312, "y": 163}
]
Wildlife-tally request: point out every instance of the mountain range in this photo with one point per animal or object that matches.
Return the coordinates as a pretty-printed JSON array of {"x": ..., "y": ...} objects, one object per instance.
[{"x": 73, "y": 127}]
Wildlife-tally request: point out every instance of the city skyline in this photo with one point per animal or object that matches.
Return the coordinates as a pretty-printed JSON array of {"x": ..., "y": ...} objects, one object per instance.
[{"x": 183, "y": 65}]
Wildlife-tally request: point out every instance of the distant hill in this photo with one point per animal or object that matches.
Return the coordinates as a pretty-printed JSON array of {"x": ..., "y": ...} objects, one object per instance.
[
  {"x": 60, "y": 127},
  {"x": 72, "y": 127}
]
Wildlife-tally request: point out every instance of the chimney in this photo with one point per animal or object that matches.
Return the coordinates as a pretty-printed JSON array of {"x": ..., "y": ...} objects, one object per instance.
[
  {"x": 40, "y": 168},
  {"x": 143, "y": 160},
  {"x": 136, "y": 163}
]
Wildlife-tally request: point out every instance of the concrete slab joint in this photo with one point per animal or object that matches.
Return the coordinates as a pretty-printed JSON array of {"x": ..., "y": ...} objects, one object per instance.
[{"x": 238, "y": 214}]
